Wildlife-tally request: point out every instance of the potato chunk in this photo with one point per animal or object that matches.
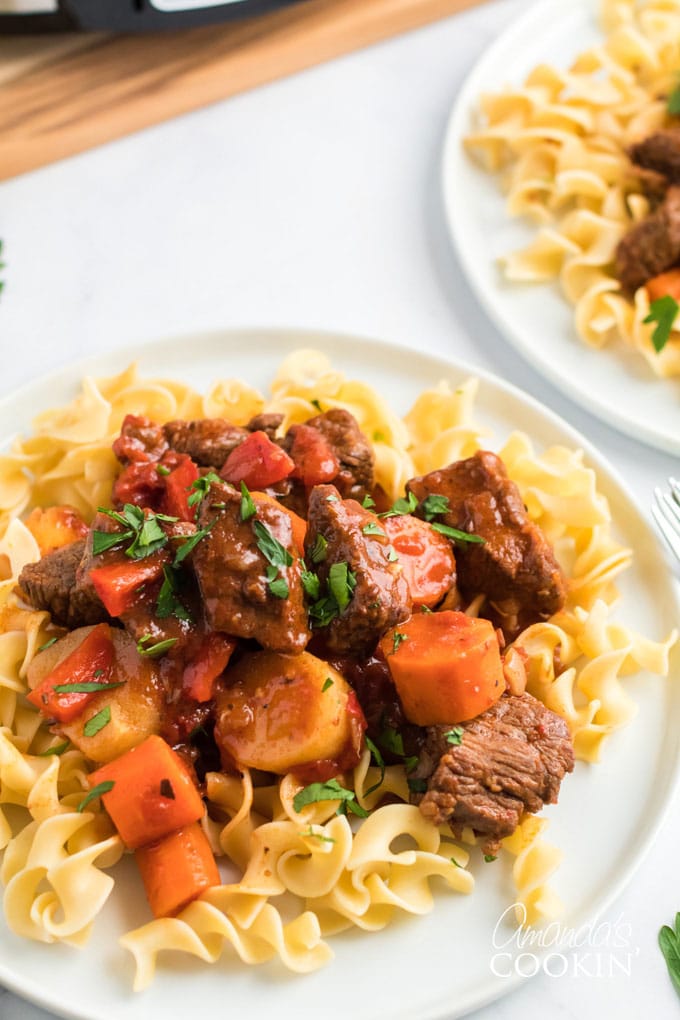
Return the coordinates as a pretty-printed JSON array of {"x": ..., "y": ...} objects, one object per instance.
[
  {"x": 135, "y": 707},
  {"x": 281, "y": 711},
  {"x": 55, "y": 526}
]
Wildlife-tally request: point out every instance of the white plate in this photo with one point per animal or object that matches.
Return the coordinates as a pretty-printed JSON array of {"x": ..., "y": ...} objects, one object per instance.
[
  {"x": 445, "y": 956},
  {"x": 614, "y": 383}
]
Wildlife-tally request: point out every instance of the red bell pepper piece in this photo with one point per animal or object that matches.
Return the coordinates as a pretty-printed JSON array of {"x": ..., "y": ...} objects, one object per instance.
[
  {"x": 315, "y": 461},
  {"x": 118, "y": 583},
  {"x": 89, "y": 663},
  {"x": 178, "y": 489},
  {"x": 198, "y": 680},
  {"x": 258, "y": 462}
]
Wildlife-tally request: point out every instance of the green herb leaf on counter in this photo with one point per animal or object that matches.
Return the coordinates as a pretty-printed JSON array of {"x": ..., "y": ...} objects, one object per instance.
[
  {"x": 669, "y": 942},
  {"x": 663, "y": 312}
]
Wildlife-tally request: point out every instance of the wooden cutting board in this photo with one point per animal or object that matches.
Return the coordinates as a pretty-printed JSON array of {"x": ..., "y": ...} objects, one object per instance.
[{"x": 63, "y": 94}]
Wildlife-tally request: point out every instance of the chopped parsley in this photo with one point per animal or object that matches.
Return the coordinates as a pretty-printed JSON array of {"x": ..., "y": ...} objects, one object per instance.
[
  {"x": 315, "y": 403},
  {"x": 331, "y": 790},
  {"x": 489, "y": 858},
  {"x": 339, "y": 590},
  {"x": 153, "y": 651},
  {"x": 201, "y": 487},
  {"x": 326, "y": 684},
  {"x": 341, "y": 584},
  {"x": 433, "y": 505},
  {"x": 368, "y": 502},
  {"x": 144, "y": 530},
  {"x": 162, "y": 470},
  {"x": 455, "y": 736},
  {"x": 311, "y": 584},
  {"x": 168, "y": 603},
  {"x": 190, "y": 544},
  {"x": 401, "y": 507},
  {"x": 455, "y": 533},
  {"x": 86, "y": 687},
  {"x": 372, "y": 528},
  {"x": 96, "y": 791},
  {"x": 380, "y": 762},
  {"x": 48, "y": 644},
  {"x": 277, "y": 556},
  {"x": 248, "y": 508},
  {"x": 97, "y": 722},
  {"x": 392, "y": 740},
  {"x": 310, "y": 834},
  {"x": 397, "y": 639},
  {"x": 318, "y": 554},
  {"x": 57, "y": 749},
  {"x": 663, "y": 312}
]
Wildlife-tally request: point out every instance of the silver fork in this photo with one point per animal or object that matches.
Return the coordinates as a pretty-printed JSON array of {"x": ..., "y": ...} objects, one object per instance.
[{"x": 666, "y": 513}]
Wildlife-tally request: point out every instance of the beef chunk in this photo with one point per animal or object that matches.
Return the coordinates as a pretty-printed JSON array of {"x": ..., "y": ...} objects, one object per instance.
[
  {"x": 511, "y": 759},
  {"x": 208, "y": 441},
  {"x": 52, "y": 584},
  {"x": 659, "y": 152},
  {"x": 515, "y": 566},
  {"x": 267, "y": 423},
  {"x": 652, "y": 246},
  {"x": 231, "y": 570},
  {"x": 381, "y": 597},
  {"x": 352, "y": 449},
  {"x": 139, "y": 440}
]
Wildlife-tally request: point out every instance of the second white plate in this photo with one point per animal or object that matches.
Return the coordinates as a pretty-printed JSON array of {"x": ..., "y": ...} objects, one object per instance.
[{"x": 614, "y": 383}]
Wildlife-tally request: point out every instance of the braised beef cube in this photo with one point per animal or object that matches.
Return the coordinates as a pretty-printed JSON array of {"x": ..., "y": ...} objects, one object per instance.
[
  {"x": 52, "y": 584},
  {"x": 510, "y": 759},
  {"x": 208, "y": 441},
  {"x": 140, "y": 440},
  {"x": 652, "y": 246},
  {"x": 377, "y": 596},
  {"x": 269, "y": 423},
  {"x": 659, "y": 152},
  {"x": 514, "y": 566},
  {"x": 352, "y": 450},
  {"x": 244, "y": 593}
]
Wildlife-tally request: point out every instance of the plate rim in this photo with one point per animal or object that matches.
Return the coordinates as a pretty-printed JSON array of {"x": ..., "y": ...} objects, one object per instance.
[
  {"x": 457, "y": 125},
  {"x": 609, "y": 480}
]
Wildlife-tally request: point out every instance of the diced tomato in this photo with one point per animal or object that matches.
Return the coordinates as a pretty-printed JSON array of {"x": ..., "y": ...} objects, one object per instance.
[
  {"x": 315, "y": 461},
  {"x": 90, "y": 662},
  {"x": 258, "y": 462},
  {"x": 178, "y": 489},
  {"x": 117, "y": 584},
  {"x": 198, "y": 680},
  {"x": 425, "y": 556},
  {"x": 139, "y": 483}
]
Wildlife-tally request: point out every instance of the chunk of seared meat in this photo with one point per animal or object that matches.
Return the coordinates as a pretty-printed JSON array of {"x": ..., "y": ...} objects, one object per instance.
[
  {"x": 510, "y": 759},
  {"x": 659, "y": 152},
  {"x": 354, "y": 536},
  {"x": 352, "y": 450},
  {"x": 53, "y": 584},
  {"x": 208, "y": 441},
  {"x": 267, "y": 422},
  {"x": 652, "y": 246},
  {"x": 140, "y": 440},
  {"x": 515, "y": 566},
  {"x": 232, "y": 573}
]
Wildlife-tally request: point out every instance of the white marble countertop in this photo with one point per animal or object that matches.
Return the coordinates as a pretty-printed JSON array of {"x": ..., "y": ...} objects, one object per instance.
[{"x": 310, "y": 202}]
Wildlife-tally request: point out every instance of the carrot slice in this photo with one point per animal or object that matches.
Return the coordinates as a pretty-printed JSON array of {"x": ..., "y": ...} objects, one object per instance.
[
  {"x": 664, "y": 284},
  {"x": 426, "y": 558},
  {"x": 446, "y": 667},
  {"x": 152, "y": 795},
  {"x": 177, "y": 869}
]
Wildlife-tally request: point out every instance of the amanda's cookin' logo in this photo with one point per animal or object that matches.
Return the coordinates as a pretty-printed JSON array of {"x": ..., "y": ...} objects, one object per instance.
[{"x": 602, "y": 949}]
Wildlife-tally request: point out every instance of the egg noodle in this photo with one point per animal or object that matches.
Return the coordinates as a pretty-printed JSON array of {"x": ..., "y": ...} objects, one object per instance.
[
  {"x": 560, "y": 142},
  {"x": 303, "y": 876}
]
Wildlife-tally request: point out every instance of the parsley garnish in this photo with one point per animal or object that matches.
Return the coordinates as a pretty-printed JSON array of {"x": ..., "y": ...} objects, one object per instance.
[
  {"x": 454, "y": 736},
  {"x": 341, "y": 584},
  {"x": 401, "y": 507},
  {"x": 331, "y": 790},
  {"x": 662, "y": 311},
  {"x": 669, "y": 942},
  {"x": 48, "y": 644},
  {"x": 270, "y": 547},
  {"x": 397, "y": 639},
  {"x": 454, "y": 861},
  {"x": 88, "y": 687},
  {"x": 103, "y": 540},
  {"x": 144, "y": 530},
  {"x": 310, "y": 834},
  {"x": 57, "y": 749},
  {"x": 392, "y": 740},
  {"x": 162, "y": 470},
  {"x": 97, "y": 722},
  {"x": 489, "y": 858},
  {"x": 368, "y": 502},
  {"x": 168, "y": 603},
  {"x": 326, "y": 684},
  {"x": 278, "y": 586},
  {"x": 372, "y": 528},
  {"x": 315, "y": 403},
  {"x": 248, "y": 508},
  {"x": 311, "y": 584},
  {"x": 201, "y": 487},
  {"x": 318, "y": 554},
  {"x": 459, "y": 536},
  {"x": 190, "y": 544},
  {"x": 95, "y": 792},
  {"x": 155, "y": 650},
  {"x": 673, "y": 104},
  {"x": 433, "y": 505},
  {"x": 380, "y": 762}
]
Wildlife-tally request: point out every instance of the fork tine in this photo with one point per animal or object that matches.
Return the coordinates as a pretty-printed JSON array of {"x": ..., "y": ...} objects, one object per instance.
[
  {"x": 666, "y": 514},
  {"x": 675, "y": 488}
]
